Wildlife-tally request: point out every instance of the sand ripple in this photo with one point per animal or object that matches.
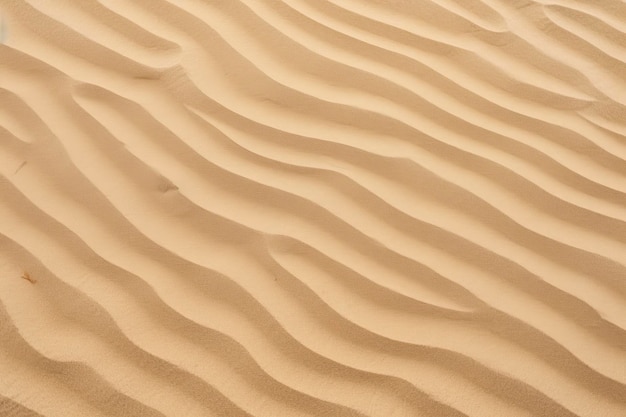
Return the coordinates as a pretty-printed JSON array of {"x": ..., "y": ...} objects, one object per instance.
[{"x": 305, "y": 207}]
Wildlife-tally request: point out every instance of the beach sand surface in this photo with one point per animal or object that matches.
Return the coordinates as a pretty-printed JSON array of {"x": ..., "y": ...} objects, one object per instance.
[{"x": 312, "y": 208}]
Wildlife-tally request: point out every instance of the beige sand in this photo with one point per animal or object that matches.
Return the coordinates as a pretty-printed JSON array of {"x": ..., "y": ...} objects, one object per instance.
[{"x": 311, "y": 207}]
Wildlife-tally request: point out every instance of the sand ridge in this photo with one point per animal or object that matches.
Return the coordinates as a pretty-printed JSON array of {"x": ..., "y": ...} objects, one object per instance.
[{"x": 320, "y": 208}]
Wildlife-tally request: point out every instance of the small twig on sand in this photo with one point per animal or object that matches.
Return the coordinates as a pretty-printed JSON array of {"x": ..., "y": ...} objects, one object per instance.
[
  {"x": 28, "y": 278},
  {"x": 20, "y": 167}
]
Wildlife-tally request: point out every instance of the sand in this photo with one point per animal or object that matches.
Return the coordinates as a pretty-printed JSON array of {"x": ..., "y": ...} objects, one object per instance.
[{"x": 312, "y": 208}]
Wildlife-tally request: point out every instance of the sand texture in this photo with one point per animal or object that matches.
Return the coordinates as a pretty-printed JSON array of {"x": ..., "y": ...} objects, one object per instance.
[{"x": 312, "y": 208}]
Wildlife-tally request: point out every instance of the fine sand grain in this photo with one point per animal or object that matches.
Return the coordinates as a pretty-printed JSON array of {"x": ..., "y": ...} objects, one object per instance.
[{"x": 312, "y": 208}]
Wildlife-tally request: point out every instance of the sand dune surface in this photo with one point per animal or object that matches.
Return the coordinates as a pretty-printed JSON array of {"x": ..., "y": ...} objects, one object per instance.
[{"x": 312, "y": 208}]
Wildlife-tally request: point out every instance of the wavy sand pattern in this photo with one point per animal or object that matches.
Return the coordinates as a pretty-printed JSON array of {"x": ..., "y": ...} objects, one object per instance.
[{"x": 312, "y": 207}]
